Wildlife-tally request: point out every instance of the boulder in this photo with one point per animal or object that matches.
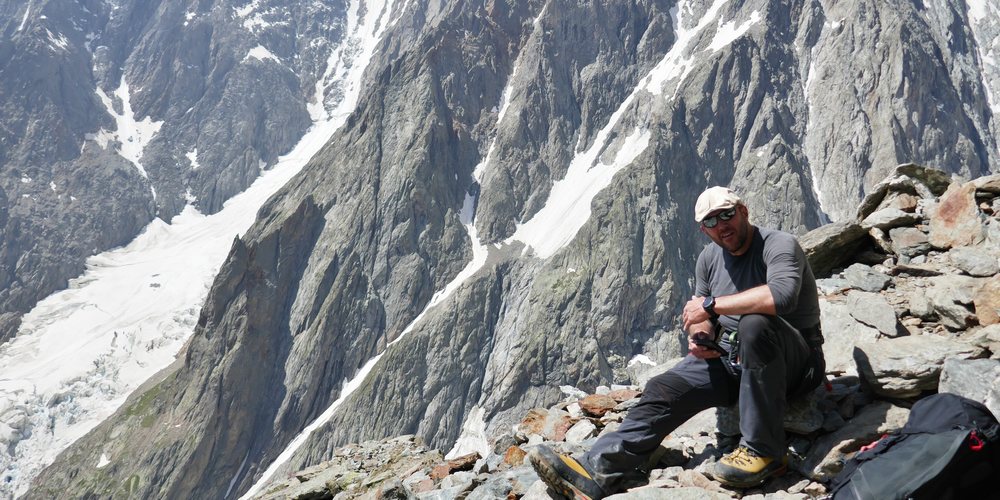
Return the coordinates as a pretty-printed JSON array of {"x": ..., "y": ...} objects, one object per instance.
[
  {"x": 827, "y": 455},
  {"x": 841, "y": 332},
  {"x": 987, "y": 302},
  {"x": 902, "y": 201},
  {"x": 906, "y": 366},
  {"x": 866, "y": 278},
  {"x": 873, "y": 310},
  {"x": 830, "y": 246},
  {"x": 803, "y": 415},
  {"x": 889, "y": 218},
  {"x": 956, "y": 220},
  {"x": 622, "y": 395},
  {"x": 937, "y": 181},
  {"x": 974, "y": 261},
  {"x": 988, "y": 184},
  {"x": 514, "y": 456},
  {"x": 953, "y": 297},
  {"x": 908, "y": 179},
  {"x": 551, "y": 424},
  {"x": 830, "y": 286},
  {"x": 977, "y": 379},
  {"x": 921, "y": 306},
  {"x": 582, "y": 430},
  {"x": 596, "y": 405},
  {"x": 909, "y": 241}
]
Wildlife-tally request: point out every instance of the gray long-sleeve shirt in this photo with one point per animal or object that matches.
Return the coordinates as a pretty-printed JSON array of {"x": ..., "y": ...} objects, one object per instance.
[{"x": 776, "y": 259}]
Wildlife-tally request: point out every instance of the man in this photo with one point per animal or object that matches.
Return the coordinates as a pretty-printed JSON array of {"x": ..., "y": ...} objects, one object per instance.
[{"x": 753, "y": 339}]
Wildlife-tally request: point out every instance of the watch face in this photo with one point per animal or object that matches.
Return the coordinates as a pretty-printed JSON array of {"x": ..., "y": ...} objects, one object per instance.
[{"x": 709, "y": 302}]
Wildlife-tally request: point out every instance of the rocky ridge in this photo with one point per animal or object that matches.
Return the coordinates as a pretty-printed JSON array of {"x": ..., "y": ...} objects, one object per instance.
[{"x": 914, "y": 312}]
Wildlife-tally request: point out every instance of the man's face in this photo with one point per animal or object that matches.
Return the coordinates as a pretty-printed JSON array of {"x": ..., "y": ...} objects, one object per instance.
[{"x": 732, "y": 235}]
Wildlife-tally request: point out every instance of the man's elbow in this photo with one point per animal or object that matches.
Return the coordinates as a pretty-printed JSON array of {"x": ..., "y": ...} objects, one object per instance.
[{"x": 784, "y": 302}]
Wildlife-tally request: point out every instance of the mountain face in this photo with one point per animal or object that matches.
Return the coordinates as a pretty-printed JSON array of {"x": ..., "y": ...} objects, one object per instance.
[
  {"x": 116, "y": 112},
  {"x": 507, "y": 210}
]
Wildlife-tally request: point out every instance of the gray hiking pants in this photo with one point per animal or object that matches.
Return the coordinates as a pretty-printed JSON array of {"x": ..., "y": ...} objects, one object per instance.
[{"x": 772, "y": 355}]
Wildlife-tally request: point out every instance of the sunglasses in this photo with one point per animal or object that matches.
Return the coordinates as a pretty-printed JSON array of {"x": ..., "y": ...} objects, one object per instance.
[{"x": 713, "y": 221}]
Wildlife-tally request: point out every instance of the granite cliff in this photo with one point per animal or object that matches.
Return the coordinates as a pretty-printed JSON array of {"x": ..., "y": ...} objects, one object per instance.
[{"x": 507, "y": 211}]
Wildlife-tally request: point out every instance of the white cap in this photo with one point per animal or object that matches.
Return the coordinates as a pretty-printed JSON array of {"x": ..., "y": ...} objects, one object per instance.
[{"x": 712, "y": 199}]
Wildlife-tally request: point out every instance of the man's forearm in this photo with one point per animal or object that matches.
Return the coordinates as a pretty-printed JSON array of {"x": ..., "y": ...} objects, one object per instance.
[{"x": 757, "y": 300}]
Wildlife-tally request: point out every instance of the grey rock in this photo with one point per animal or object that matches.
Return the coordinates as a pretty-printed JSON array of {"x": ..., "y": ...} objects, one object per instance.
[
  {"x": 909, "y": 241},
  {"x": 993, "y": 229},
  {"x": 988, "y": 184},
  {"x": 865, "y": 278},
  {"x": 701, "y": 424},
  {"x": 524, "y": 481},
  {"x": 873, "y": 310},
  {"x": 830, "y": 286},
  {"x": 905, "y": 178},
  {"x": 842, "y": 332},
  {"x": 975, "y": 261},
  {"x": 826, "y": 457},
  {"x": 992, "y": 332},
  {"x": 953, "y": 297},
  {"x": 803, "y": 415},
  {"x": 921, "y": 305},
  {"x": 906, "y": 366},
  {"x": 833, "y": 421},
  {"x": 584, "y": 429},
  {"x": 881, "y": 240},
  {"x": 442, "y": 494},
  {"x": 830, "y": 246},
  {"x": 642, "y": 372},
  {"x": 889, "y": 218},
  {"x": 976, "y": 379},
  {"x": 495, "y": 488}
]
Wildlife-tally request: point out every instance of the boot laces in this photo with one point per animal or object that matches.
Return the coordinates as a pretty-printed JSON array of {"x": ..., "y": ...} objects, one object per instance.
[{"x": 743, "y": 456}]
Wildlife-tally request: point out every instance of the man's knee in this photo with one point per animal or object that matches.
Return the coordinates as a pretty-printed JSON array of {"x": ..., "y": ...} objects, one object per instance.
[
  {"x": 754, "y": 327},
  {"x": 665, "y": 388}
]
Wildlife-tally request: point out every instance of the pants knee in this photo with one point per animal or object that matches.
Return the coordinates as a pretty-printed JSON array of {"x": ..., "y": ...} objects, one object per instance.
[{"x": 753, "y": 327}]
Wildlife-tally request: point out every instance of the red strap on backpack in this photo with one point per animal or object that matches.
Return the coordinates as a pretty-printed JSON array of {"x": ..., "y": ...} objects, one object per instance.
[
  {"x": 975, "y": 442},
  {"x": 873, "y": 443}
]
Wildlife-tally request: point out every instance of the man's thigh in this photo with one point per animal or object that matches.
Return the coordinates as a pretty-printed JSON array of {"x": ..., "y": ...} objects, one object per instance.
[{"x": 688, "y": 388}]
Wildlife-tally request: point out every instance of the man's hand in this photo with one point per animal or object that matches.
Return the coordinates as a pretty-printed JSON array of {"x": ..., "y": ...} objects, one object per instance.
[
  {"x": 694, "y": 313},
  {"x": 699, "y": 330},
  {"x": 700, "y": 351}
]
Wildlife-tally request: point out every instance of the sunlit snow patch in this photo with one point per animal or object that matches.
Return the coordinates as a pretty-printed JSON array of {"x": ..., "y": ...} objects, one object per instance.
[
  {"x": 261, "y": 54},
  {"x": 132, "y": 135},
  {"x": 473, "y": 438}
]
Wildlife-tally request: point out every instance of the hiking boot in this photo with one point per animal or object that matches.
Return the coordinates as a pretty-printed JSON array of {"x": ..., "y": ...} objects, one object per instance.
[
  {"x": 744, "y": 468},
  {"x": 564, "y": 474}
]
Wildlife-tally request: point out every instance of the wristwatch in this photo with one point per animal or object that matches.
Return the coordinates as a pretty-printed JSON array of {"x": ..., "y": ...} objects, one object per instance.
[{"x": 709, "y": 306}]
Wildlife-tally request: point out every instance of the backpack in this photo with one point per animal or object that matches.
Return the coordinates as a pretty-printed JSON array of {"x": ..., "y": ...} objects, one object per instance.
[{"x": 948, "y": 449}]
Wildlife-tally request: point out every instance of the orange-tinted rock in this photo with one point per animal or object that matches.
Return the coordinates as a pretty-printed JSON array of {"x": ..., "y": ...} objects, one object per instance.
[
  {"x": 955, "y": 222},
  {"x": 464, "y": 462},
  {"x": 596, "y": 405},
  {"x": 422, "y": 486},
  {"x": 440, "y": 472},
  {"x": 534, "y": 421},
  {"x": 514, "y": 456},
  {"x": 560, "y": 425},
  {"x": 622, "y": 395},
  {"x": 987, "y": 302}
]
